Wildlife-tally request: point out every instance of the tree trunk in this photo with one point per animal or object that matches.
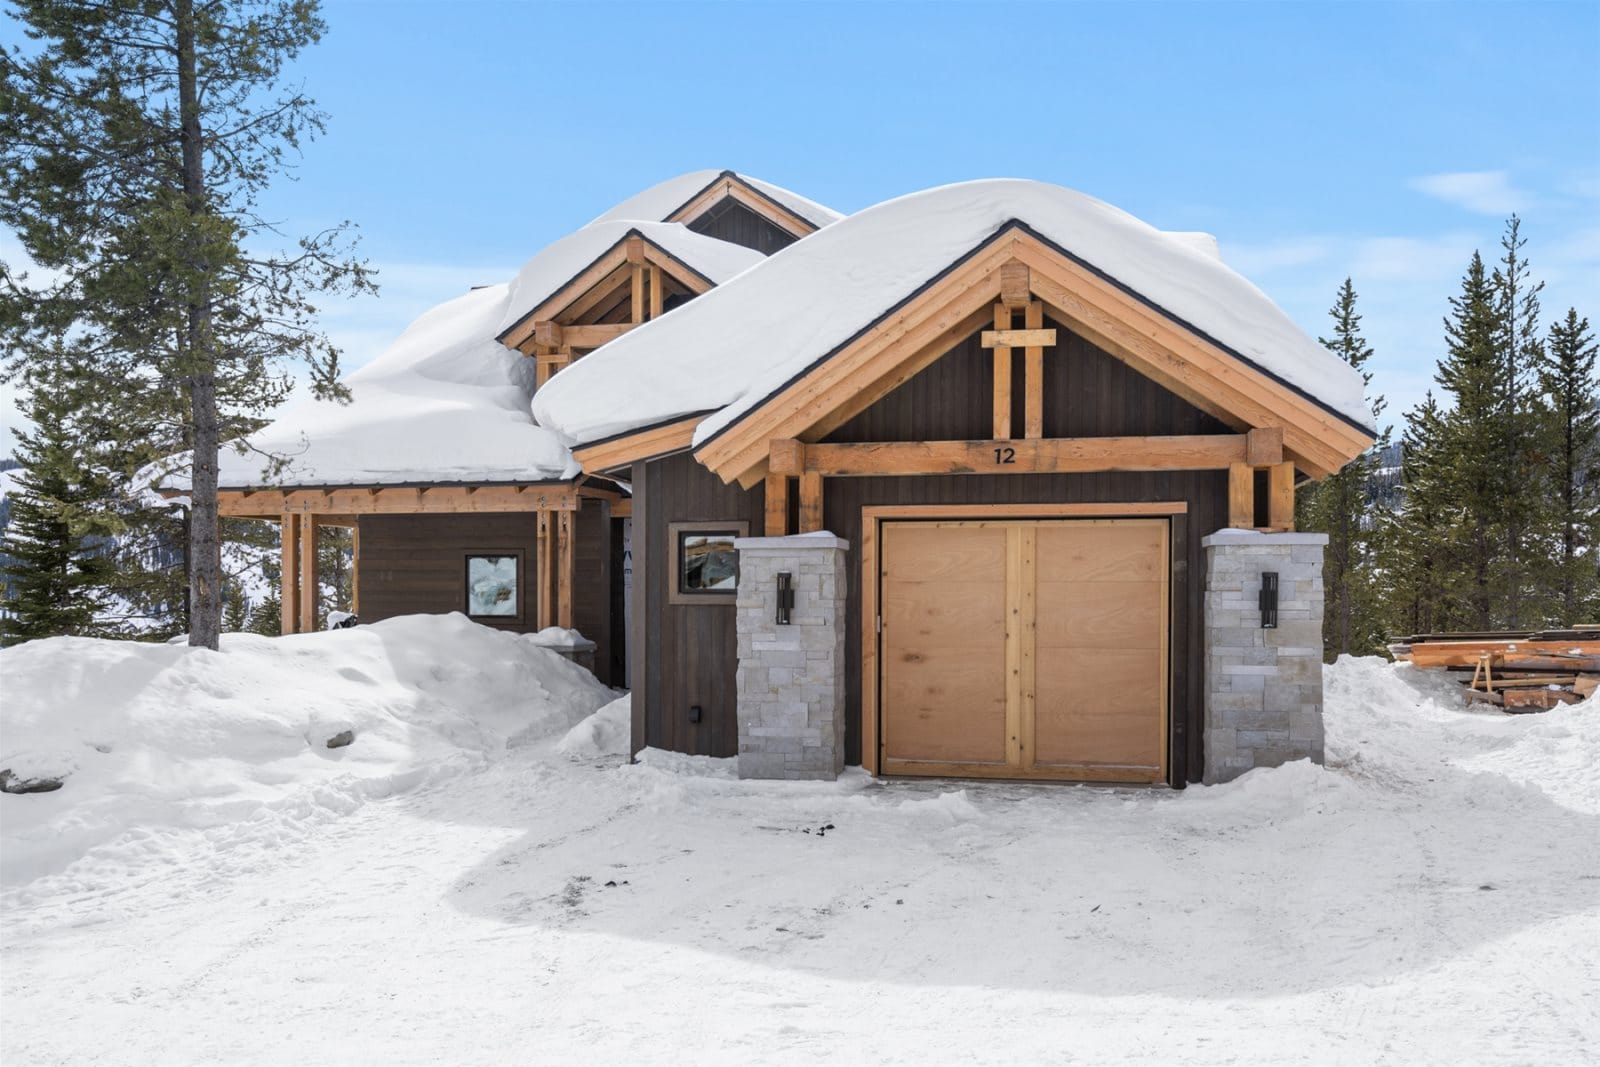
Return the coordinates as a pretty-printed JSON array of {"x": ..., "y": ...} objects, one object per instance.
[{"x": 205, "y": 535}]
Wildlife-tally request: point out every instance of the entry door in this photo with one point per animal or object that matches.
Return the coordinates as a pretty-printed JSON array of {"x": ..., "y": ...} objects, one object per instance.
[{"x": 1025, "y": 649}]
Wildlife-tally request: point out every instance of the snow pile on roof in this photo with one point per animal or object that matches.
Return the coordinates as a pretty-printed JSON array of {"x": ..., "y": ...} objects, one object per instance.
[
  {"x": 560, "y": 262},
  {"x": 155, "y": 741},
  {"x": 738, "y": 344},
  {"x": 659, "y": 201},
  {"x": 445, "y": 402}
]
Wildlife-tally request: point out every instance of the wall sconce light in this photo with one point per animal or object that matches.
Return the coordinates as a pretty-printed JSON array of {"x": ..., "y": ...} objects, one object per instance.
[
  {"x": 785, "y": 597},
  {"x": 1269, "y": 600}
]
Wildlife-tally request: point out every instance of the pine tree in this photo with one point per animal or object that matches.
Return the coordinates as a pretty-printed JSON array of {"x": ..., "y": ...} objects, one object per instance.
[
  {"x": 136, "y": 140},
  {"x": 266, "y": 616},
  {"x": 1522, "y": 493},
  {"x": 1339, "y": 507},
  {"x": 57, "y": 570},
  {"x": 1572, "y": 394},
  {"x": 1416, "y": 557},
  {"x": 1471, "y": 447},
  {"x": 235, "y": 609}
]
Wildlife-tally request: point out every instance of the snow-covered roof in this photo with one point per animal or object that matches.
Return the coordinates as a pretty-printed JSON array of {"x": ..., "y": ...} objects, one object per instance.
[
  {"x": 560, "y": 262},
  {"x": 730, "y": 349},
  {"x": 445, "y": 402},
  {"x": 659, "y": 201}
]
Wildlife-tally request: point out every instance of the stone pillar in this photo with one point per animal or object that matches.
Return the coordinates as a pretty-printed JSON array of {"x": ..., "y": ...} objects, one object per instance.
[
  {"x": 1263, "y": 687},
  {"x": 791, "y": 677}
]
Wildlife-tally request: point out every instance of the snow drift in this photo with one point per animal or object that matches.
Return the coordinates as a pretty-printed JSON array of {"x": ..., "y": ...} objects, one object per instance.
[{"x": 156, "y": 739}]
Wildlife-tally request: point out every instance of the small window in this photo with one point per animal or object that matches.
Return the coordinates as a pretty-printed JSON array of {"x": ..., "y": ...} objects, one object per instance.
[
  {"x": 705, "y": 565},
  {"x": 492, "y": 586}
]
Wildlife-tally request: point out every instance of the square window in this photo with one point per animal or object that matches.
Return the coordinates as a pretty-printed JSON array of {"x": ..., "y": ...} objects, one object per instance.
[
  {"x": 705, "y": 565},
  {"x": 492, "y": 591}
]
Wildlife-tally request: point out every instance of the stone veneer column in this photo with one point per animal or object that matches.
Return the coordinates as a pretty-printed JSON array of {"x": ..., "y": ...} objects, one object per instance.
[
  {"x": 1263, "y": 687},
  {"x": 791, "y": 678}
]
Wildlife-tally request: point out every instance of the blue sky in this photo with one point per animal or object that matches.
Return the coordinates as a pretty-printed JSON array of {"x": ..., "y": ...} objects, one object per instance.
[{"x": 1384, "y": 141}]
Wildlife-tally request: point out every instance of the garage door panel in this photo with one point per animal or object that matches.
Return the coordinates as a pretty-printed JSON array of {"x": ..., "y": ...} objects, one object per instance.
[
  {"x": 1100, "y": 707},
  {"x": 1106, "y": 615},
  {"x": 943, "y": 553},
  {"x": 947, "y": 613},
  {"x": 1102, "y": 551},
  {"x": 1024, "y": 648},
  {"x": 948, "y": 704}
]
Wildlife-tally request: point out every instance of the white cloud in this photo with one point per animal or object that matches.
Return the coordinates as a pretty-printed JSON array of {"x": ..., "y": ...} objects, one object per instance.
[{"x": 1486, "y": 192}]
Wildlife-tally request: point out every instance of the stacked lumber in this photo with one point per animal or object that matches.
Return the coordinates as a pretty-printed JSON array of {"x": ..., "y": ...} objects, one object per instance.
[{"x": 1517, "y": 671}]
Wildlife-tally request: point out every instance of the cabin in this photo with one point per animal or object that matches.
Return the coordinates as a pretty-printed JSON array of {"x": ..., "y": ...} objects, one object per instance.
[
  {"x": 457, "y": 500},
  {"x": 992, "y": 480},
  {"x": 988, "y": 481}
]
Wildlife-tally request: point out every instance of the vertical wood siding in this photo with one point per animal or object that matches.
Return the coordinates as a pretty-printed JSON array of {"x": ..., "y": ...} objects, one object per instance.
[
  {"x": 416, "y": 564},
  {"x": 732, "y": 221},
  {"x": 591, "y": 583},
  {"x": 691, "y": 648},
  {"x": 1086, "y": 393}
]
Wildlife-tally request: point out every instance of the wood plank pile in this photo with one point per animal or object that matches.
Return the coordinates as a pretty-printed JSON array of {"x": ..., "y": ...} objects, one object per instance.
[{"x": 1520, "y": 672}]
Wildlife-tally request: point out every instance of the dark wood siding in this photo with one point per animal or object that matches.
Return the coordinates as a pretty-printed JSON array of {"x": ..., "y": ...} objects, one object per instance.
[
  {"x": 591, "y": 583},
  {"x": 416, "y": 564},
  {"x": 1087, "y": 393},
  {"x": 730, "y": 220},
  {"x": 692, "y": 657},
  {"x": 691, "y": 649}
]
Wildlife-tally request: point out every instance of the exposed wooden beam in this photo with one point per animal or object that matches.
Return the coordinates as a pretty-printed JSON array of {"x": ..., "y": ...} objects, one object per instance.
[
  {"x": 633, "y": 248},
  {"x": 309, "y": 590},
  {"x": 1280, "y": 496},
  {"x": 658, "y": 295},
  {"x": 564, "y": 565},
  {"x": 1002, "y": 373},
  {"x": 636, "y": 291},
  {"x": 289, "y": 575},
  {"x": 1001, "y": 336},
  {"x": 547, "y": 334},
  {"x": 594, "y": 335},
  {"x": 786, "y": 456},
  {"x": 355, "y": 567},
  {"x": 777, "y": 505},
  {"x": 544, "y": 569},
  {"x": 810, "y": 502},
  {"x": 346, "y": 503},
  {"x": 1241, "y": 496},
  {"x": 646, "y": 444},
  {"x": 1014, "y": 288},
  {"x": 1033, "y": 374},
  {"x": 1068, "y": 455},
  {"x": 1266, "y": 446}
]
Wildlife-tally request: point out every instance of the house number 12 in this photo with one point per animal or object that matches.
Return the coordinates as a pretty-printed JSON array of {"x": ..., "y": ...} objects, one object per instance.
[{"x": 1005, "y": 455}]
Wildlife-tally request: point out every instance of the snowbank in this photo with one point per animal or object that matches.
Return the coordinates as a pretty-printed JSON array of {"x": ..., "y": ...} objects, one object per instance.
[
  {"x": 159, "y": 738},
  {"x": 736, "y": 345},
  {"x": 605, "y": 733}
]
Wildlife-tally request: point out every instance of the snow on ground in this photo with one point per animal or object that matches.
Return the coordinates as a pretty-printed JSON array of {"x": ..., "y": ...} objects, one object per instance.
[{"x": 1432, "y": 896}]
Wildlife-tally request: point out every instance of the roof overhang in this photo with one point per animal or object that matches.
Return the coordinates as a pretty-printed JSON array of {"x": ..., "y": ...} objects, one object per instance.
[{"x": 930, "y": 321}]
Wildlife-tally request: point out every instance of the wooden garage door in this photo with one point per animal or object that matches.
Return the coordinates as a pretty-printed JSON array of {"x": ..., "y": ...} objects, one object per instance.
[{"x": 1025, "y": 649}]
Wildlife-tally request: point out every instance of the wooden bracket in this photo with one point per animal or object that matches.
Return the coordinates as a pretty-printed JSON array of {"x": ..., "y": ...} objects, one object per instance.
[{"x": 1015, "y": 284}]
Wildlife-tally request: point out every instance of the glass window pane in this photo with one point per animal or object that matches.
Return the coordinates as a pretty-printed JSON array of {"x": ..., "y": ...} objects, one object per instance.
[
  {"x": 708, "y": 563},
  {"x": 492, "y": 586}
]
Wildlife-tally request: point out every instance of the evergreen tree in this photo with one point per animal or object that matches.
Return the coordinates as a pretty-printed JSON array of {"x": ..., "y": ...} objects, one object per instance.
[
  {"x": 1339, "y": 507},
  {"x": 1471, "y": 447},
  {"x": 235, "y": 609},
  {"x": 266, "y": 616},
  {"x": 1415, "y": 556},
  {"x": 1572, "y": 395},
  {"x": 1523, "y": 491},
  {"x": 57, "y": 569},
  {"x": 135, "y": 142}
]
